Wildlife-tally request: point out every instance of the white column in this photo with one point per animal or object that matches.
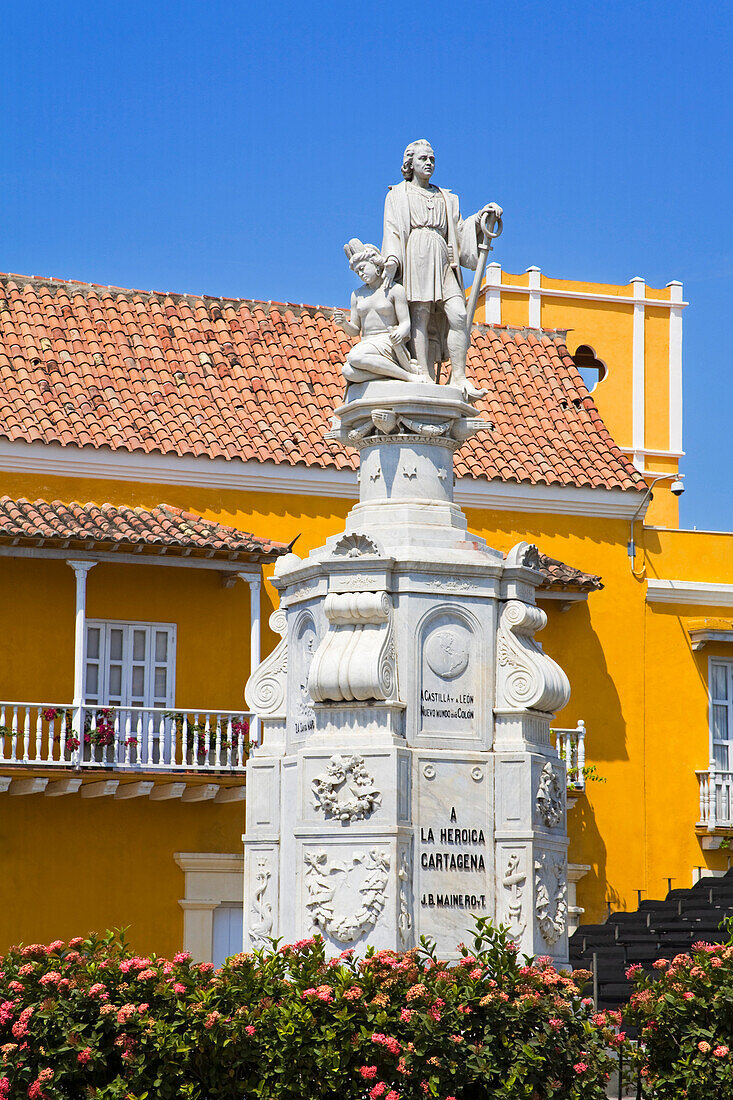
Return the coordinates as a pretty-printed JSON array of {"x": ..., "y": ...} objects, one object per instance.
[
  {"x": 81, "y": 568},
  {"x": 492, "y": 299},
  {"x": 675, "y": 367},
  {"x": 535, "y": 297},
  {"x": 255, "y": 584},
  {"x": 254, "y": 622},
  {"x": 638, "y": 373}
]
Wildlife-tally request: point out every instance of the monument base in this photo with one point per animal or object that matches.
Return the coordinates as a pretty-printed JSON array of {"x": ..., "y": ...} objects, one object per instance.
[{"x": 406, "y": 783}]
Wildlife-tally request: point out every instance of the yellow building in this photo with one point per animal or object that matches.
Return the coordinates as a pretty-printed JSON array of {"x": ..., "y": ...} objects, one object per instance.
[{"x": 131, "y": 629}]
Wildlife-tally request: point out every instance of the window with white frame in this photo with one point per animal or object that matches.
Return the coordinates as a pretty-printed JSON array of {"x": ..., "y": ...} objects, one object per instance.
[
  {"x": 130, "y": 664},
  {"x": 721, "y": 714}
]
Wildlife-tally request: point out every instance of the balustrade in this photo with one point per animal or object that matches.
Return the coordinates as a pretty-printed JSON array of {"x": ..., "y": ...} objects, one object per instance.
[
  {"x": 123, "y": 738},
  {"x": 570, "y": 747},
  {"x": 716, "y": 798}
]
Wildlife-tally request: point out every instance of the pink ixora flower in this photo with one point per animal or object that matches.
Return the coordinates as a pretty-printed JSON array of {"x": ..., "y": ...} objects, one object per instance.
[
  {"x": 368, "y": 1072},
  {"x": 182, "y": 957},
  {"x": 688, "y": 996},
  {"x": 84, "y": 1055},
  {"x": 720, "y": 1051},
  {"x": 57, "y": 945},
  {"x": 555, "y": 1023},
  {"x": 387, "y": 1041},
  {"x": 4, "y": 1087},
  {"x": 250, "y": 1029},
  {"x": 633, "y": 969},
  {"x": 178, "y": 987},
  {"x": 703, "y": 1046},
  {"x": 580, "y": 1067},
  {"x": 379, "y": 1089}
]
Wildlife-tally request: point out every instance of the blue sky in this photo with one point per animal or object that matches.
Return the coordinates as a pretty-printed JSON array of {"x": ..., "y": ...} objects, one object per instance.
[{"x": 232, "y": 148}]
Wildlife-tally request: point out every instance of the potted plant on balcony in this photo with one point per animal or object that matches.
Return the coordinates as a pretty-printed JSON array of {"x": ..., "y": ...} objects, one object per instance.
[
  {"x": 65, "y": 734},
  {"x": 99, "y": 735}
]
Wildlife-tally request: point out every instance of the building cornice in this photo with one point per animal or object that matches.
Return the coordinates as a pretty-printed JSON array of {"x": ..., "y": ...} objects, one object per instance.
[
  {"x": 689, "y": 592},
  {"x": 53, "y": 460}
]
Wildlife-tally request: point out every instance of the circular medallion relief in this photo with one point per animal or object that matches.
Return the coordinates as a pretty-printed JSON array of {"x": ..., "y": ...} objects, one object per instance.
[{"x": 446, "y": 652}]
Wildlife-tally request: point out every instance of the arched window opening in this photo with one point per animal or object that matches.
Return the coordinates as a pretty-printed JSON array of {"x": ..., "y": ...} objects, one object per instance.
[{"x": 592, "y": 370}]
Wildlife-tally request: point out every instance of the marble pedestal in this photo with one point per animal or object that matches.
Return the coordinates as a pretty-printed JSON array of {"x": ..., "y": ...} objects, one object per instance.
[{"x": 406, "y": 781}]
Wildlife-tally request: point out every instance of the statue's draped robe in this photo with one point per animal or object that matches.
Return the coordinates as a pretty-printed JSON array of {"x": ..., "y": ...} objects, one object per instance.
[{"x": 429, "y": 284}]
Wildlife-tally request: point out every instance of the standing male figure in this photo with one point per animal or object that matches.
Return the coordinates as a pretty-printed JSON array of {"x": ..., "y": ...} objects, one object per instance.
[{"x": 425, "y": 243}]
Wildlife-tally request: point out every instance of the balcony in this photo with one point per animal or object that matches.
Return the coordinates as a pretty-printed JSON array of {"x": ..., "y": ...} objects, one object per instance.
[
  {"x": 716, "y": 806},
  {"x": 570, "y": 747},
  {"x": 60, "y": 739}
]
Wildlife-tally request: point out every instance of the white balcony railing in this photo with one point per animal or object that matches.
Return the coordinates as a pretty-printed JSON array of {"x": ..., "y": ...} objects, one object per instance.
[
  {"x": 716, "y": 798},
  {"x": 570, "y": 747},
  {"x": 123, "y": 738}
]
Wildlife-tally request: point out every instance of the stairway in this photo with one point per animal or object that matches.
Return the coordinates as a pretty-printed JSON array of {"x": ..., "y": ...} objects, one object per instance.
[{"x": 658, "y": 929}]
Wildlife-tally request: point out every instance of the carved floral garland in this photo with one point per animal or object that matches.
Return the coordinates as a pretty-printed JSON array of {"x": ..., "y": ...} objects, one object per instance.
[
  {"x": 552, "y": 925},
  {"x": 550, "y": 798},
  {"x": 346, "y": 927},
  {"x": 346, "y": 790}
]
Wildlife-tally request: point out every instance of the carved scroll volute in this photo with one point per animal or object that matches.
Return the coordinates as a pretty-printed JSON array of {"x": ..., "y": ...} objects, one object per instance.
[
  {"x": 265, "y": 690},
  {"x": 355, "y": 660},
  {"x": 526, "y": 678}
]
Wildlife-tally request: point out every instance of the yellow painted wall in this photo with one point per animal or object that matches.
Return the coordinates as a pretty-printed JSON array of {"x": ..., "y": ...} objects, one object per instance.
[
  {"x": 607, "y": 327},
  {"x": 69, "y": 866}
]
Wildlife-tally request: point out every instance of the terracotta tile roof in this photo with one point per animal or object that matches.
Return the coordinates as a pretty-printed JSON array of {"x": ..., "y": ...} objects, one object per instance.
[
  {"x": 92, "y": 366},
  {"x": 556, "y": 574},
  {"x": 105, "y": 527}
]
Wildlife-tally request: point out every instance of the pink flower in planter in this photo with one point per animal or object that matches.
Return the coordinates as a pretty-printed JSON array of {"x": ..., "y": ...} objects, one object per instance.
[
  {"x": 182, "y": 957},
  {"x": 720, "y": 1051}
]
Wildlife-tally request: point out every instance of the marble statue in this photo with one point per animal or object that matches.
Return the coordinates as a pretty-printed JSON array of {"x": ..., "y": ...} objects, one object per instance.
[
  {"x": 406, "y": 781},
  {"x": 380, "y": 315},
  {"x": 425, "y": 243}
]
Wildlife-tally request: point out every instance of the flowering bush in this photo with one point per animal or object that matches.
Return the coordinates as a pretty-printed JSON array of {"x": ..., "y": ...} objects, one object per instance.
[
  {"x": 89, "y": 1019},
  {"x": 684, "y": 1012}
]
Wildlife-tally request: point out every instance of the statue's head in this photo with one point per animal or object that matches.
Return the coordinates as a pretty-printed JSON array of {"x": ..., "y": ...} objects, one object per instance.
[
  {"x": 423, "y": 148},
  {"x": 361, "y": 255}
]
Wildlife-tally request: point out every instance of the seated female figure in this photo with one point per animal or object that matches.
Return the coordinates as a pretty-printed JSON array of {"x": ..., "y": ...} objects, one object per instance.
[{"x": 381, "y": 317}]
